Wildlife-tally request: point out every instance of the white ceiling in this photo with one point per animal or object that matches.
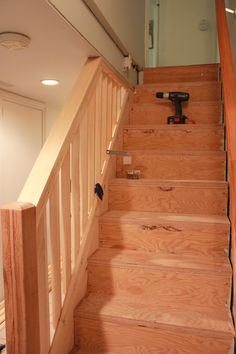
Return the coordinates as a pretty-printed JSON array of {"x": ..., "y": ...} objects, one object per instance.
[{"x": 56, "y": 51}]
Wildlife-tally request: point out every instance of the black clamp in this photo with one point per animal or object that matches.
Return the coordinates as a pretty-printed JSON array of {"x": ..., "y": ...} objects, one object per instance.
[{"x": 99, "y": 191}]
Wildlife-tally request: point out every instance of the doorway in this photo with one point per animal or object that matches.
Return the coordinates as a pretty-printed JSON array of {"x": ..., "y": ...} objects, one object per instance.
[{"x": 152, "y": 32}]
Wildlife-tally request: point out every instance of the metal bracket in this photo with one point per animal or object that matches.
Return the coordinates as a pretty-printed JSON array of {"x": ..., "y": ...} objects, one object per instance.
[{"x": 117, "y": 152}]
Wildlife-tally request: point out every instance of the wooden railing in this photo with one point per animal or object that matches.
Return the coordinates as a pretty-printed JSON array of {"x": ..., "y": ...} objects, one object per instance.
[
  {"x": 229, "y": 93},
  {"x": 53, "y": 222}
]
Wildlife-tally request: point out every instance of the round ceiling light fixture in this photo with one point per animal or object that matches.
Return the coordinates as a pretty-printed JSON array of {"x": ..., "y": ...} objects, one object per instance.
[
  {"x": 50, "y": 82},
  {"x": 14, "y": 40}
]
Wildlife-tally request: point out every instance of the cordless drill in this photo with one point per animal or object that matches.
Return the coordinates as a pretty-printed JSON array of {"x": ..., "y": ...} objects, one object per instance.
[{"x": 176, "y": 98}]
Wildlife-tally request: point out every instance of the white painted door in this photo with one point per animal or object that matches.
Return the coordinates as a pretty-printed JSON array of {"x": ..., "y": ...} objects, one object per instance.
[{"x": 152, "y": 33}]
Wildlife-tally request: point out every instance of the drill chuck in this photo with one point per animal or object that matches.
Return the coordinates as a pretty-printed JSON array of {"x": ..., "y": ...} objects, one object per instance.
[{"x": 163, "y": 95}]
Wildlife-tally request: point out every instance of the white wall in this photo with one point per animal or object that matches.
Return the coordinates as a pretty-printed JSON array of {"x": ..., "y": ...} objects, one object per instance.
[
  {"x": 126, "y": 17},
  {"x": 180, "y": 40},
  {"x": 127, "y": 20}
]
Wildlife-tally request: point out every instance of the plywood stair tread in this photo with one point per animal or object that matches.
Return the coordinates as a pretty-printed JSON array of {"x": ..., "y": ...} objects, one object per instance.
[
  {"x": 199, "y": 104},
  {"x": 179, "y": 84},
  {"x": 164, "y": 261},
  {"x": 135, "y": 310},
  {"x": 211, "y": 153},
  {"x": 123, "y": 216},
  {"x": 180, "y": 183},
  {"x": 188, "y": 127}
]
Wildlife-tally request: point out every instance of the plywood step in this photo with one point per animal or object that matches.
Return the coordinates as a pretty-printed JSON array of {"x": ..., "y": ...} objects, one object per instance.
[
  {"x": 186, "y": 322},
  {"x": 206, "y": 72},
  {"x": 161, "y": 263},
  {"x": 204, "y": 112},
  {"x": 174, "y": 137},
  {"x": 199, "y": 91},
  {"x": 186, "y": 235},
  {"x": 202, "y": 165},
  {"x": 185, "y": 197},
  {"x": 110, "y": 337},
  {"x": 163, "y": 279}
]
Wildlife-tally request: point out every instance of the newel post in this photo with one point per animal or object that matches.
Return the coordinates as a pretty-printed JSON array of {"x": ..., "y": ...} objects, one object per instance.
[{"x": 18, "y": 228}]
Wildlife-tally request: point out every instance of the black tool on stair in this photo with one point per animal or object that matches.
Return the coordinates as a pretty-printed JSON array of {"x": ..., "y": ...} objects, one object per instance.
[
  {"x": 176, "y": 98},
  {"x": 2, "y": 346},
  {"x": 99, "y": 191}
]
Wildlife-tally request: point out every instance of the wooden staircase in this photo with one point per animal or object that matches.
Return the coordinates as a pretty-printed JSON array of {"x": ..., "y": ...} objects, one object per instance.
[{"x": 160, "y": 281}]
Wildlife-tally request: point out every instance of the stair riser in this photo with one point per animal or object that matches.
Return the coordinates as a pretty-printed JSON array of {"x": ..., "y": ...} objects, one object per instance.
[
  {"x": 198, "y": 92},
  {"x": 174, "y": 139},
  {"x": 201, "y": 113},
  {"x": 181, "y": 74},
  {"x": 168, "y": 199},
  {"x": 200, "y": 240},
  {"x": 163, "y": 166},
  {"x": 97, "y": 336}
]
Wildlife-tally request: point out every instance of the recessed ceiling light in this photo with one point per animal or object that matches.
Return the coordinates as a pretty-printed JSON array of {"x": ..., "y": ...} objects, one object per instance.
[
  {"x": 14, "y": 40},
  {"x": 50, "y": 82}
]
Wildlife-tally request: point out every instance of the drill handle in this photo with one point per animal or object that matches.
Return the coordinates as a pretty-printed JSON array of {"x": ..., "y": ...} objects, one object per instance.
[{"x": 178, "y": 108}]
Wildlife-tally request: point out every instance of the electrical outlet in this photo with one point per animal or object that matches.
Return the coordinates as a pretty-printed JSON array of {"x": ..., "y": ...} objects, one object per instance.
[
  {"x": 127, "y": 63},
  {"x": 127, "y": 160}
]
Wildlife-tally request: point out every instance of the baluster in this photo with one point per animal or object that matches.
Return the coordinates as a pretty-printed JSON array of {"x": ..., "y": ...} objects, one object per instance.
[
  {"x": 114, "y": 110},
  {"x": 75, "y": 191},
  {"x": 55, "y": 251},
  {"x": 84, "y": 171},
  {"x": 66, "y": 221},
  {"x": 98, "y": 129},
  {"x": 109, "y": 113},
  {"x": 91, "y": 152},
  {"x": 43, "y": 283},
  {"x": 104, "y": 123}
]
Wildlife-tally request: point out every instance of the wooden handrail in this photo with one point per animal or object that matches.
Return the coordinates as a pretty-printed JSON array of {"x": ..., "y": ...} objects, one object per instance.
[
  {"x": 229, "y": 92},
  {"x": 58, "y": 207}
]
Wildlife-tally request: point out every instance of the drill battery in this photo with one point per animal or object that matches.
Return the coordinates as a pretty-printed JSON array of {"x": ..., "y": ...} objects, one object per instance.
[{"x": 176, "y": 120}]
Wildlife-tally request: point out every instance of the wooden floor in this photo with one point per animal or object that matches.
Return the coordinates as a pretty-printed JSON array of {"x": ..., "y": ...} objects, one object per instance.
[{"x": 160, "y": 281}]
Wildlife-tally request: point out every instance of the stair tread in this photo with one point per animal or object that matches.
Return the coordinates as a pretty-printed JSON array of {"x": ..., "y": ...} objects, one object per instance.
[
  {"x": 122, "y": 216},
  {"x": 161, "y": 182},
  {"x": 135, "y": 310},
  {"x": 161, "y": 260},
  {"x": 181, "y": 153},
  {"x": 195, "y": 103},
  {"x": 179, "y": 84},
  {"x": 218, "y": 126}
]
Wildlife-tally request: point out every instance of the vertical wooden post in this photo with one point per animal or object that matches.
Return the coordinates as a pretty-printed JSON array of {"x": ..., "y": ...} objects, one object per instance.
[{"x": 18, "y": 225}]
